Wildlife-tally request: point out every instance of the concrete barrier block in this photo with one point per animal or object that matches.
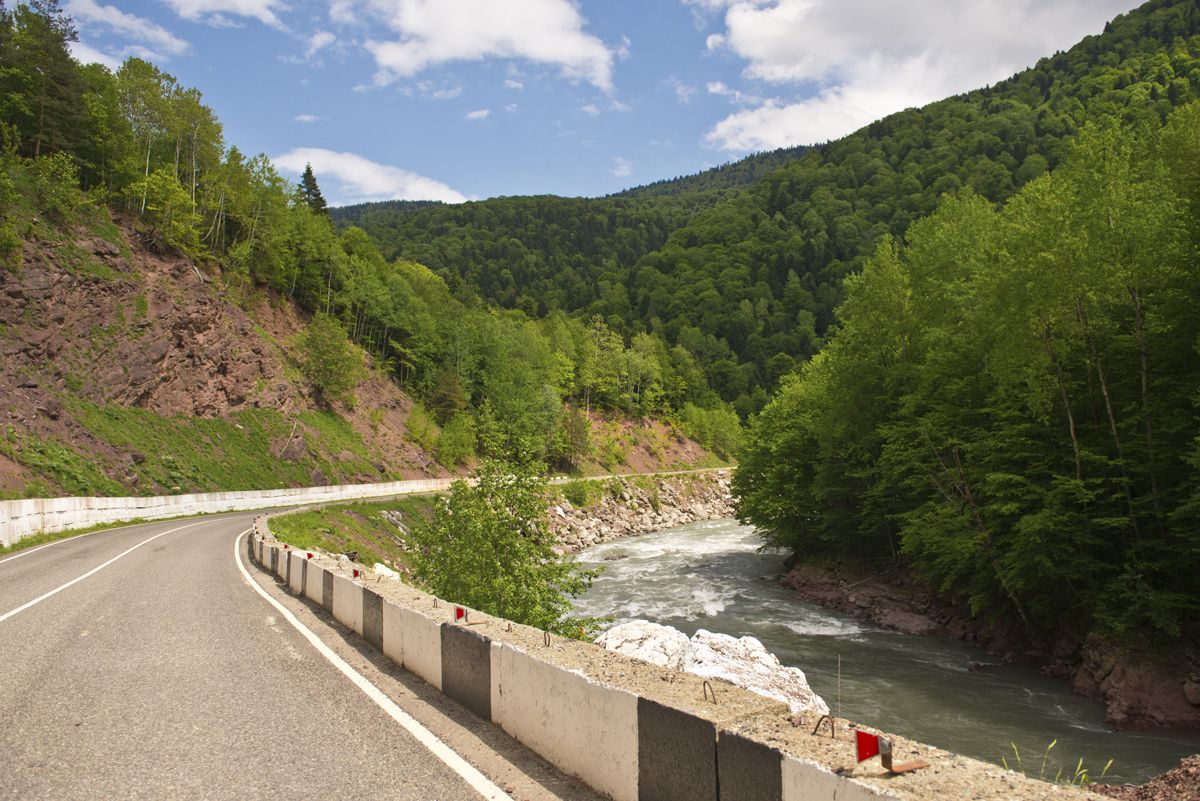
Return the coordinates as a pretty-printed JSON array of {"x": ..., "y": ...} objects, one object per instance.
[
  {"x": 414, "y": 641},
  {"x": 803, "y": 780},
  {"x": 327, "y": 590},
  {"x": 348, "y": 603},
  {"x": 582, "y": 727},
  {"x": 314, "y": 582},
  {"x": 372, "y": 618},
  {"x": 296, "y": 572},
  {"x": 467, "y": 668},
  {"x": 748, "y": 770},
  {"x": 677, "y": 754}
]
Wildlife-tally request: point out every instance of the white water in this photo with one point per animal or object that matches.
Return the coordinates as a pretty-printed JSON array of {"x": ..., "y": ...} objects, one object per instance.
[{"x": 710, "y": 575}]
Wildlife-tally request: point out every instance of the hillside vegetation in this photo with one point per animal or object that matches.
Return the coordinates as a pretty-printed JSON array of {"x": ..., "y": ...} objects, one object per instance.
[
  {"x": 748, "y": 286},
  {"x": 1009, "y": 400},
  {"x": 176, "y": 315}
]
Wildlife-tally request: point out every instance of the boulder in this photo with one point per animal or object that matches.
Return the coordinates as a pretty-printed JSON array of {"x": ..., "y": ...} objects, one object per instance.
[
  {"x": 381, "y": 569},
  {"x": 660, "y": 645},
  {"x": 744, "y": 661}
]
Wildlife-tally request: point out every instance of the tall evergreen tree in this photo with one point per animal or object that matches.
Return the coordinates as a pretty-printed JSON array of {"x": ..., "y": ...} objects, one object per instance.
[{"x": 312, "y": 192}]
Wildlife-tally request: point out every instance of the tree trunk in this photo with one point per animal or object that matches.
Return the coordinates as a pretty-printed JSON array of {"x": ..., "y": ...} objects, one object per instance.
[{"x": 1112, "y": 418}]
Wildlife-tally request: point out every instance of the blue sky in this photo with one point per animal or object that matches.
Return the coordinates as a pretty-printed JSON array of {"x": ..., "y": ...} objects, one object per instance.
[{"x": 457, "y": 99}]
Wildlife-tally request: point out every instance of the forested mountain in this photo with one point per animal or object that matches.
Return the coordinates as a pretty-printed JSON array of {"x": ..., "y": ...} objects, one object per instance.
[
  {"x": 1009, "y": 400},
  {"x": 85, "y": 152},
  {"x": 749, "y": 285},
  {"x": 733, "y": 175}
]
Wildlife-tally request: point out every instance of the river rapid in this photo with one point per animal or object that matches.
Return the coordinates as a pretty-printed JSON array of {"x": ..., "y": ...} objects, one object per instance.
[{"x": 710, "y": 575}]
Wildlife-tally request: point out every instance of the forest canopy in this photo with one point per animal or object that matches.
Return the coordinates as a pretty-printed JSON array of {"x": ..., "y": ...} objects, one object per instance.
[{"x": 1008, "y": 401}]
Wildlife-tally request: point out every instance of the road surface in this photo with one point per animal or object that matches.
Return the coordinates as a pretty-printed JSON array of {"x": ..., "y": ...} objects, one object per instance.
[{"x": 140, "y": 663}]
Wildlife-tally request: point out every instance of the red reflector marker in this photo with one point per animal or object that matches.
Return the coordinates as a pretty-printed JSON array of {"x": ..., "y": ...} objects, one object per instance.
[
  {"x": 310, "y": 556},
  {"x": 868, "y": 745},
  {"x": 459, "y": 613},
  {"x": 356, "y": 573}
]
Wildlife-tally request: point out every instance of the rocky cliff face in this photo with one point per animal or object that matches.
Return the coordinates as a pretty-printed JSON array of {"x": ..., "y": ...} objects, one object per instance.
[{"x": 629, "y": 508}]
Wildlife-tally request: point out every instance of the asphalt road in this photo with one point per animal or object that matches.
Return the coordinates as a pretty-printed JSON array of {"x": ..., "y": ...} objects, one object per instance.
[{"x": 159, "y": 673}]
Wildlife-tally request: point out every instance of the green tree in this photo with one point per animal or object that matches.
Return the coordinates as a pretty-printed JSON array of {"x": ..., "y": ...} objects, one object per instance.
[
  {"x": 329, "y": 361},
  {"x": 311, "y": 192},
  {"x": 489, "y": 547}
]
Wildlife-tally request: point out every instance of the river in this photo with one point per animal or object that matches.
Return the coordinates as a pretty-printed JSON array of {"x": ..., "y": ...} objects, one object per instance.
[{"x": 710, "y": 575}]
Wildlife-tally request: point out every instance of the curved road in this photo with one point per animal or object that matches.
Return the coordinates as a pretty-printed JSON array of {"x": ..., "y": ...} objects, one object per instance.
[{"x": 155, "y": 671}]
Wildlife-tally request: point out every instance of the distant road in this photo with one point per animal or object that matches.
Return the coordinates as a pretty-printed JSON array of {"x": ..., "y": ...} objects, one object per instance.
[{"x": 138, "y": 663}]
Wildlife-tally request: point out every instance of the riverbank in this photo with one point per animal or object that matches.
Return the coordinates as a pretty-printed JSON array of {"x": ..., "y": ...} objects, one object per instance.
[
  {"x": 623, "y": 507},
  {"x": 1138, "y": 691}
]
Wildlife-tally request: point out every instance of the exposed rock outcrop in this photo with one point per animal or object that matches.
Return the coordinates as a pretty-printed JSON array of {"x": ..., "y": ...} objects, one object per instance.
[
  {"x": 628, "y": 509},
  {"x": 740, "y": 661}
]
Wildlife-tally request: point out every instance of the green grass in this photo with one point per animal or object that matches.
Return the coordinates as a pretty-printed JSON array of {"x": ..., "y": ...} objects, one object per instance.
[
  {"x": 74, "y": 472},
  {"x": 354, "y": 527},
  {"x": 190, "y": 454}
]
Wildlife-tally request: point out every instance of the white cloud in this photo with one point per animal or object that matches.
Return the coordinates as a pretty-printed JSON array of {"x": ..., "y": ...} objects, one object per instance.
[
  {"x": 622, "y": 167},
  {"x": 318, "y": 42},
  {"x": 86, "y": 54},
  {"x": 433, "y": 32},
  {"x": 218, "y": 12},
  {"x": 89, "y": 12},
  {"x": 511, "y": 108},
  {"x": 592, "y": 109},
  {"x": 479, "y": 114},
  {"x": 721, "y": 89},
  {"x": 513, "y": 84},
  {"x": 446, "y": 94},
  {"x": 307, "y": 118},
  {"x": 683, "y": 91},
  {"x": 867, "y": 59},
  {"x": 350, "y": 178}
]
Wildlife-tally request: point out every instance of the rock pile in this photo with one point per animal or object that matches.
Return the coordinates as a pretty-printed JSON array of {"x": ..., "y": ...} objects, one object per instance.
[
  {"x": 631, "y": 509},
  {"x": 740, "y": 661}
]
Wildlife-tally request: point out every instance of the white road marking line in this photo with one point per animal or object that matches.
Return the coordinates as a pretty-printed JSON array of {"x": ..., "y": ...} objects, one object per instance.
[
  {"x": 28, "y": 551},
  {"x": 47, "y": 545},
  {"x": 482, "y": 784},
  {"x": 94, "y": 571}
]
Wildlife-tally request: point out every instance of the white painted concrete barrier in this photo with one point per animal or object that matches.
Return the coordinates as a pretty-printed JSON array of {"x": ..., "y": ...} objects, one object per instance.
[
  {"x": 584, "y": 728},
  {"x": 19, "y": 519}
]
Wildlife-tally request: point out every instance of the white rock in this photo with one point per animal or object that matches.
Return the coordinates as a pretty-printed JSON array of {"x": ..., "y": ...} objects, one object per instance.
[
  {"x": 383, "y": 570},
  {"x": 660, "y": 645},
  {"x": 746, "y": 663}
]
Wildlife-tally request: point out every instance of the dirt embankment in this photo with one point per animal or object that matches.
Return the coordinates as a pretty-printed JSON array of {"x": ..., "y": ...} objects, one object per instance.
[
  {"x": 104, "y": 321},
  {"x": 1181, "y": 783},
  {"x": 1138, "y": 690}
]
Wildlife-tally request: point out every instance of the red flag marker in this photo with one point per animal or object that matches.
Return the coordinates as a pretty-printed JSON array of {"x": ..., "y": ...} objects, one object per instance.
[
  {"x": 356, "y": 573},
  {"x": 310, "y": 556},
  {"x": 459, "y": 613},
  {"x": 868, "y": 745}
]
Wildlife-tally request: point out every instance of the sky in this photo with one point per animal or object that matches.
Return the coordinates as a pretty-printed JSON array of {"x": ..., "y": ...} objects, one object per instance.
[{"x": 455, "y": 100}]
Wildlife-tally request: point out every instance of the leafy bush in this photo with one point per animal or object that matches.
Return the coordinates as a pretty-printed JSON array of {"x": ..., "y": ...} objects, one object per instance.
[
  {"x": 719, "y": 429},
  {"x": 422, "y": 430},
  {"x": 456, "y": 443},
  {"x": 489, "y": 547},
  {"x": 330, "y": 363}
]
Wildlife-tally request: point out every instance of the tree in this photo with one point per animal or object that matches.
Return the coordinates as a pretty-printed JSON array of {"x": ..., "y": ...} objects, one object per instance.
[
  {"x": 311, "y": 192},
  {"x": 489, "y": 547},
  {"x": 329, "y": 362}
]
